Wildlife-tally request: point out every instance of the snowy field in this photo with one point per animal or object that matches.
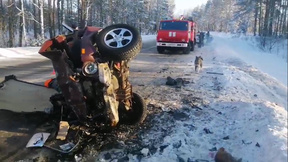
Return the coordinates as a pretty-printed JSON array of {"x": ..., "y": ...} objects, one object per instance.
[
  {"x": 242, "y": 108},
  {"x": 273, "y": 64}
]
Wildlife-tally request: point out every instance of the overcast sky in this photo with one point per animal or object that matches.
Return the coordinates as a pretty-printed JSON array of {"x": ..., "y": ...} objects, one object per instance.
[{"x": 182, "y": 5}]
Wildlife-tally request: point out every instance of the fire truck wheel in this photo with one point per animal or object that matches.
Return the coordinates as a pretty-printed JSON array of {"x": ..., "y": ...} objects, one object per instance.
[
  {"x": 192, "y": 46},
  {"x": 137, "y": 114},
  {"x": 160, "y": 50},
  {"x": 119, "y": 42},
  {"x": 187, "y": 49}
]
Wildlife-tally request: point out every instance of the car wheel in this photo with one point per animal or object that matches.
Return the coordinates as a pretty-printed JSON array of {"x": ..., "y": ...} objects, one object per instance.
[
  {"x": 136, "y": 114},
  {"x": 119, "y": 42}
]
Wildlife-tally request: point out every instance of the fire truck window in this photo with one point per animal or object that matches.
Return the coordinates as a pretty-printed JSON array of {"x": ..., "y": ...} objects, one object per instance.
[{"x": 174, "y": 26}]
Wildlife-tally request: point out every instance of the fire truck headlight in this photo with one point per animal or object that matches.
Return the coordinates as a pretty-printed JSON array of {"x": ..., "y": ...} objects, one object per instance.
[{"x": 160, "y": 39}]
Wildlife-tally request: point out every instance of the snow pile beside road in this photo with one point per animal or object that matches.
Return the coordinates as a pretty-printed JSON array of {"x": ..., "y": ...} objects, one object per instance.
[
  {"x": 239, "y": 48},
  {"x": 277, "y": 47},
  {"x": 148, "y": 38},
  {"x": 19, "y": 52}
]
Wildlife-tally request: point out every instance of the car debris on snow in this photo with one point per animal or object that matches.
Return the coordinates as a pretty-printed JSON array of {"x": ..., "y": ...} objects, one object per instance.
[
  {"x": 257, "y": 144},
  {"x": 207, "y": 131},
  {"x": 178, "y": 82},
  {"x": 63, "y": 130},
  {"x": 213, "y": 149},
  {"x": 223, "y": 156},
  {"x": 145, "y": 151},
  {"x": 67, "y": 146},
  {"x": 226, "y": 138},
  {"x": 208, "y": 72},
  {"x": 246, "y": 143}
]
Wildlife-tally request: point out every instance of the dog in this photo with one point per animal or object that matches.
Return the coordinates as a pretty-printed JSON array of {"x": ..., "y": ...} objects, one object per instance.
[{"x": 198, "y": 63}]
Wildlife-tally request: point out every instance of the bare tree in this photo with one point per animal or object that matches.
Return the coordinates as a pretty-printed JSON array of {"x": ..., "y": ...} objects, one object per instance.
[
  {"x": 22, "y": 29},
  {"x": 41, "y": 8},
  {"x": 2, "y": 22},
  {"x": 35, "y": 14},
  {"x": 11, "y": 23}
]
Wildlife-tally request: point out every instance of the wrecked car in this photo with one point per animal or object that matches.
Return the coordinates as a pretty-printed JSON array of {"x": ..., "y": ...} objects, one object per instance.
[
  {"x": 92, "y": 89},
  {"x": 92, "y": 73}
]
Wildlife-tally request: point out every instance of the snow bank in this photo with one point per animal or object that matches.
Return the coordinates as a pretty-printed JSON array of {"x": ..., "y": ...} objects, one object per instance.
[
  {"x": 267, "y": 62},
  {"x": 148, "y": 38},
  {"x": 19, "y": 52}
]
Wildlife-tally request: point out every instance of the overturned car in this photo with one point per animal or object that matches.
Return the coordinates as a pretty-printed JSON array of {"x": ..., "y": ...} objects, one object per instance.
[
  {"x": 92, "y": 72},
  {"x": 92, "y": 85}
]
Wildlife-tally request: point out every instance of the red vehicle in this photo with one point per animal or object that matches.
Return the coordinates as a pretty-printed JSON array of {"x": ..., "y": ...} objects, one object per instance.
[{"x": 176, "y": 35}]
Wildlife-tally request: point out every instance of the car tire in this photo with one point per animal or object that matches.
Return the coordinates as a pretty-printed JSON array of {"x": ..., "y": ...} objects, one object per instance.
[
  {"x": 119, "y": 42},
  {"x": 137, "y": 114}
]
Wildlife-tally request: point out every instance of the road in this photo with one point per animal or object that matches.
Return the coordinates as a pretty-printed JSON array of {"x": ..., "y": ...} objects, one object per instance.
[
  {"x": 148, "y": 68},
  {"x": 147, "y": 64},
  {"x": 35, "y": 69}
]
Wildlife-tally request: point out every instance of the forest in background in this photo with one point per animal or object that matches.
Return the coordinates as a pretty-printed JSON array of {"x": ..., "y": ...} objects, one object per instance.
[
  {"x": 29, "y": 22},
  {"x": 265, "y": 19}
]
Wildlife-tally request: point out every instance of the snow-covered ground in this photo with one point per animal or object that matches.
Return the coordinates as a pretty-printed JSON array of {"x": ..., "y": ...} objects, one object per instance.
[
  {"x": 241, "y": 107},
  {"x": 269, "y": 63},
  {"x": 244, "y": 110}
]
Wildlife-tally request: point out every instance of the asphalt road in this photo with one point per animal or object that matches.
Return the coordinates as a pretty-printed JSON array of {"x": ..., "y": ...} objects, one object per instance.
[
  {"x": 16, "y": 129},
  {"x": 148, "y": 68},
  {"x": 29, "y": 69},
  {"x": 37, "y": 69}
]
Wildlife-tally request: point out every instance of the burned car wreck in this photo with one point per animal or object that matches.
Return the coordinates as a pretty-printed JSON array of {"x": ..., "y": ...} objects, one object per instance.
[{"x": 94, "y": 92}]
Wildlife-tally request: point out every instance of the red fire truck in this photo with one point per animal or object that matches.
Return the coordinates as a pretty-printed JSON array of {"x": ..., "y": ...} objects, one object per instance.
[{"x": 176, "y": 35}]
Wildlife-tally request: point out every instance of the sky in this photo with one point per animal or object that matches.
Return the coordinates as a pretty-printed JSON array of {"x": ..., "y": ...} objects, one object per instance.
[{"x": 182, "y": 5}]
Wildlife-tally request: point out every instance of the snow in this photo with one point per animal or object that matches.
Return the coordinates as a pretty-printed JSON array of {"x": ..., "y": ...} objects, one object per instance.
[
  {"x": 244, "y": 110},
  {"x": 19, "y": 52},
  {"x": 266, "y": 62},
  {"x": 148, "y": 38}
]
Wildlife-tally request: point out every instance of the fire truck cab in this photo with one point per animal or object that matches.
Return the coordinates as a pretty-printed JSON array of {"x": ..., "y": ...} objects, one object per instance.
[{"x": 176, "y": 35}]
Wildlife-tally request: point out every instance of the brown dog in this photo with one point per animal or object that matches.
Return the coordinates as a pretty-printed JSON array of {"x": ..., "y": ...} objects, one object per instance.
[{"x": 198, "y": 63}]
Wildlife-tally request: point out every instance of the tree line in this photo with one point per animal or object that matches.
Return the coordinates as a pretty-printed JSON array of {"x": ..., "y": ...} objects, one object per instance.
[
  {"x": 26, "y": 22},
  {"x": 264, "y": 18},
  {"x": 29, "y": 22}
]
